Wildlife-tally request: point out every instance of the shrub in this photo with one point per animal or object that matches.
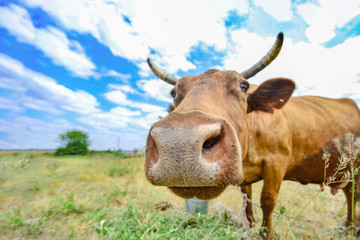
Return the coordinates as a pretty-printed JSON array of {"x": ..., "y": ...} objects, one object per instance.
[{"x": 74, "y": 142}]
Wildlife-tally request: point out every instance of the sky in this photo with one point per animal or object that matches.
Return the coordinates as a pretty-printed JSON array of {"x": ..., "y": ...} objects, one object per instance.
[{"x": 81, "y": 65}]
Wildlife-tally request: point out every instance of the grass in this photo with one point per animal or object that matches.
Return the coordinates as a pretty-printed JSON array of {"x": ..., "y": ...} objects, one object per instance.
[{"x": 105, "y": 197}]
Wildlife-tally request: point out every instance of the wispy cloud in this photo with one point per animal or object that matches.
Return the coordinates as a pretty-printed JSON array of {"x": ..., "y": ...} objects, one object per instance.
[
  {"x": 149, "y": 26},
  {"x": 102, "y": 19},
  {"x": 119, "y": 97},
  {"x": 123, "y": 88},
  {"x": 281, "y": 10},
  {"x": 316, "y": 70},
  {"x": 51, "y": 41},
  {"x": 323, "y": 18},
  {"x": 157, "y": 89},
  {"x": 31, "y": 133},
  {"x": 43, "y": 93},
  {"x": 9, "y": 104},
  {"x": 116, "y": 75}
]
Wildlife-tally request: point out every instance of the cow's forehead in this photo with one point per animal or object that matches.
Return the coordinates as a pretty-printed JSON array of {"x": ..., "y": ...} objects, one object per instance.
[{"x": 210, "y": 75}]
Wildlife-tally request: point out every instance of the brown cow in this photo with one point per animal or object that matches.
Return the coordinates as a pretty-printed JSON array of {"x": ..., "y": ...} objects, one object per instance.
[{"x": 223, "y": 131}]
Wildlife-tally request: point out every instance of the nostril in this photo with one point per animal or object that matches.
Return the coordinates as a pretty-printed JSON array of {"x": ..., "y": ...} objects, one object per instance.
[
  {"x": 210, "y": 143},
  {"x": 152, "y": 153}
]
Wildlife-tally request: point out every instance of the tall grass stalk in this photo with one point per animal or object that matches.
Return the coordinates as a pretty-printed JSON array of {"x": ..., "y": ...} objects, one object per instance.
[{"x": 349, "y": 149}]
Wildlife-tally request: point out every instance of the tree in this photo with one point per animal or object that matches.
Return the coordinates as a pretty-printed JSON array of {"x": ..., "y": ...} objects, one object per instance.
[
  {"x": 135, "y": 152},
  {"x": 73, "y": 142}
]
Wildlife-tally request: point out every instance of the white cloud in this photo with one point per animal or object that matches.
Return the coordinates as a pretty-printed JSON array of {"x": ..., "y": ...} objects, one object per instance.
[
  {"x": 110, "y": 139},
  {"x": 325, "y": 17},
  {"x": 279, "y": 9},
  {"x": 124, "y": 112},
  {"x": 125, "y": 119},
  {"x": 118, "y": 76},
  {"x": 64, "y": 52},
  {"x": 6, "y": 103},
  {"x": 168, "y": 27},
  {"x": 315, "y": 69},
  {"x": 101, "y": 19},
  {"x": 43, "y": 93},
  {"x": 17, "y": 21},
  {"x": 52, "y": 42},
  {"x": 121, "y": 116},
  {"x": 116, "y": 97},
  {"x": 10, "y": 83},
  {"x": 120, "y": 98},
  {"x": 123, "y": 88},
  {"x": 156, "y": 88},
  {"x": 30, "y": 133}
]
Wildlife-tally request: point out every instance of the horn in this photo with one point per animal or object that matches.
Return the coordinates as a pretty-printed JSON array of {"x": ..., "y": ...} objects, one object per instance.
[
  {"x": 161, "y": 74},
  {"x": 267, "y": 59}
]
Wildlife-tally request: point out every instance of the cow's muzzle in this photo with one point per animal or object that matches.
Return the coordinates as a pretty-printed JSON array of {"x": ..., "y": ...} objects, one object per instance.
[{"x": 193, "y": 150}]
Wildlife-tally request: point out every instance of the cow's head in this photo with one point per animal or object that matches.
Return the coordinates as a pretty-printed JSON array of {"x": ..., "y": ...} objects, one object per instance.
[{"x": 197, "y": 150}]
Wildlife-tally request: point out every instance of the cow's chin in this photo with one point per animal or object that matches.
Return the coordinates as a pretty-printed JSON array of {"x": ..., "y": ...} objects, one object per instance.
[{"x": 203, "y": 193}]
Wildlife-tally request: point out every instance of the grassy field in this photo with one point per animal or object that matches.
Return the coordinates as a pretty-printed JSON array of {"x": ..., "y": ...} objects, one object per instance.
[{"x": 104, "y": 197}]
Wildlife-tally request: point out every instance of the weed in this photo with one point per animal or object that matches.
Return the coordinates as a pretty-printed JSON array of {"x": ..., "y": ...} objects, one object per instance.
[
  {"x": 65, "y": 205},
  {"x": 16, "y": 219},
  {"x": 120, "y": 171},
  {"x": 345, "y": 171},
  {"x": 264, "y": 231},
  {"x": 23, "y": 163},
  {"x": 138, "y": 222},
  {"x": 120, "y": 154},
  {"x": 85, "y": 202},
  {"x": 52, "y": 166},
  {"x": 16, "y": 154},
  {"x": 113, "y": 193},
  {"x": 35, "y": 186}
]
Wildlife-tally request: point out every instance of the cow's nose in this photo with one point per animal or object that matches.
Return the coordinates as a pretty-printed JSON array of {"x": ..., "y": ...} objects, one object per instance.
[
  {"x": 180, "y": 154},
  {"x": 193, "y": 149},
  {"x": 177, "y": 141}
]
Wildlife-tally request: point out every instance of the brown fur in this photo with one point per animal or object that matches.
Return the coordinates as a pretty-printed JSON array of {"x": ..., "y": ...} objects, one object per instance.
[{"x": 281, "y": 138}]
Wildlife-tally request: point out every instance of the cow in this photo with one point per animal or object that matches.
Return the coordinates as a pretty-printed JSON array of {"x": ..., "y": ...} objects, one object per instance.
[{"x": 224, "y": 131}]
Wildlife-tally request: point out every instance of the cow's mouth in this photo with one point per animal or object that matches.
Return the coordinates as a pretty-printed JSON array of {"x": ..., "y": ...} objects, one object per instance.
[{"x": 203, "y": 193}]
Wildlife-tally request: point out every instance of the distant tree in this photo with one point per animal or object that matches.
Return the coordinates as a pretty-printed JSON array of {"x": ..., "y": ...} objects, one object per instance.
[
  {"x": 135, "y": 152},
  {"x": 73, "y": 142}
]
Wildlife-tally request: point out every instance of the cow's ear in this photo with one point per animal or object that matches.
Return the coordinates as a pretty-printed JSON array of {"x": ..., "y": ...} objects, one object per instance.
[
  {"x": 273, "y": 93},
  {"x": 171, "y": 108}
]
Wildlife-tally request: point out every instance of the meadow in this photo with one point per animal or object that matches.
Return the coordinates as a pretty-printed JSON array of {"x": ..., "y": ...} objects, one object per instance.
[{"x": 103, "y": 196}]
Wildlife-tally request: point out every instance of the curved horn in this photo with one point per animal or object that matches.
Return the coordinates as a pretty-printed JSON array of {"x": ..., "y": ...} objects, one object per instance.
[
  {"x": 267, "y": 59},
  {"x": 161, "y": 74}
]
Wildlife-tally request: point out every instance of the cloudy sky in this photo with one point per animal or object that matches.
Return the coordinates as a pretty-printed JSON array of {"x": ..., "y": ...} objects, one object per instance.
[{"x": 70, "y": 64}]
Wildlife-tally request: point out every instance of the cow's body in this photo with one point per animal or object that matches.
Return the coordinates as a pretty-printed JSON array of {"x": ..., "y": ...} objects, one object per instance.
[
  {"x": 289, "y": 145},
  {"x": 222, "y": 132},
  {"x": 298, "y": 133}
]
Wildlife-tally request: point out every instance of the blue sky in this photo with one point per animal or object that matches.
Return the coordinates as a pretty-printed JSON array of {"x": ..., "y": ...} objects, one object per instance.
[{"x": 69, "y": 64}]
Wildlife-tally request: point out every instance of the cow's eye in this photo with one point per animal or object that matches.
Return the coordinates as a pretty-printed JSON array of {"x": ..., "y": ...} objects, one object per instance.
[
  {"x": 244, "y": 86},
  {"x": 173, "y": 94}
]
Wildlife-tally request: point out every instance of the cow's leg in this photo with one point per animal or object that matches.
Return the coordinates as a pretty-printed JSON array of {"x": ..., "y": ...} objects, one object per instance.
[
  {"x": 249, "y": 208},
  {"x": 272, "y": 183},
  {"x": 351, "y": 209}
]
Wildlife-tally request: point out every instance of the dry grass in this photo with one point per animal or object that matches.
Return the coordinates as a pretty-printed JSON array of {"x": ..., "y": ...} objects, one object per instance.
[{"x": 88, "y": 198}]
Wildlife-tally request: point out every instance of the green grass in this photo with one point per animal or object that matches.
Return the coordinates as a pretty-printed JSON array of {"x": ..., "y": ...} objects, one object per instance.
[
  {"x": 106, "y": 197},
  {"x": 142, "y": 222}
]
